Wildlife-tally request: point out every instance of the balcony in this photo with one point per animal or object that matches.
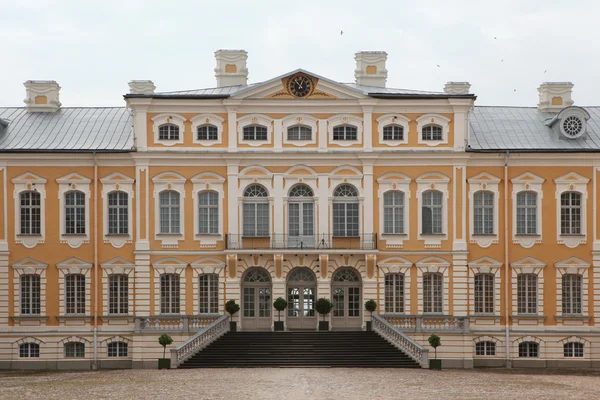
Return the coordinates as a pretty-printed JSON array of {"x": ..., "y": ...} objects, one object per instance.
[{"x": 281, "y": 241}]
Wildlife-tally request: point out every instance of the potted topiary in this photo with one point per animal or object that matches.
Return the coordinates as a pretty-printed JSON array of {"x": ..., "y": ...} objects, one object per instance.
[
  {"x": 370, "y": 306},
  {"x": 323, "y": 307},
  {"x": 434, "y": 341},
  {"x": 232, "y": 307},
  {"x": 164, "y": 340},
  {"x": 280, "y": 304}
]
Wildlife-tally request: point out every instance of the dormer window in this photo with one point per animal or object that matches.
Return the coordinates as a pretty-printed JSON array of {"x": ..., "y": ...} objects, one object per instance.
[
  {"x": 208, "y": 132},
  {"x": 299, "y": 132},
  {"x": 255, "y": 132},
  {"x": 345, "y": 132},
  {"x": 571, "y": 122},
  {"x": 393, "y": 132},
  {"x": 168, "y": 132},
  {"x": 432, "y": 132},
  {"x": 572, "y": 126}
]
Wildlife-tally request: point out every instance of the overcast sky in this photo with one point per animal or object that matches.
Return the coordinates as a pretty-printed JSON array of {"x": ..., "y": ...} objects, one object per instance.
[{"x": 93, "y": 48}]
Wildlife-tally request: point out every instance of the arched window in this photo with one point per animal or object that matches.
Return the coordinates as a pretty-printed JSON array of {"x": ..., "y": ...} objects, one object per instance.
[
  {"x": 571, "y": 294},
  {"x": 345, "y": 132},
  {"x": 393, "y": 132},
  {"x": 255, "y": 132},
  {"x": 75, "y": 213},
  {"x": 394, "y": 293},
  {"x": 299, "y": 132},
  {"x": 118, "y": 208},
  {"x": 301, "y": 274},
  {"x": 169, "y": 212},
  {"x": 487, "y": 348},
  {"x": 432, "y": 213},
  {"x": 208, "y": 213},
  {"x": 118, "y": 294},
  {"x": 527, "y": 293},
  {"x": 256, "y": 211},
  {"x": 393, "y": 212},
  {"x": 169, "y": 294},
  {"x": 30, "y": 294},
  {"x": 75, "y": 294},
  {"x": 117, "y": 349},
  {"x": 74, "y": 350},
  {"x": 301, "y": 214},
  {"x": 29, "y": 350},
  {"x": 257, "y": 275},
  {"x": 570, "y": 213},
  {"x": 208, "y": 132},
  {"x": 573, "y": 349},
  {"x": 345, "y": 211},
  {"x": 527, "y": 213},
  {"x": 209, "y": 293},
  {"x": 168, "y": 132},
  {"x": 346, "y": 275},
  {"x": 483, "y": 213},
  {"x": 484, "y": 293},
  {"x": 432, "y": 132},
  {"x": 529, "y": 349},
  {"x": 31, "y": 213},
  {"x": 433, "y": 293}
]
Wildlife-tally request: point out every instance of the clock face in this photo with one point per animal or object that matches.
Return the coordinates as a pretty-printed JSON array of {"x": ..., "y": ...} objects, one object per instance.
[{"x": 300, "y": 86}]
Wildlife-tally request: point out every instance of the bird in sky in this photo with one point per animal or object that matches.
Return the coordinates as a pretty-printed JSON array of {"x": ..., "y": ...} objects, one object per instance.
[
  {"x": 438, "y": 65},
  {"x": 341, "y": 32}
]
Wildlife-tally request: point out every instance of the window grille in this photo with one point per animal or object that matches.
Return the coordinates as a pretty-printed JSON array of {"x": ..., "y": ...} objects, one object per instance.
[
  {"x": 169, "y": 212},
  {"x": 528, "y": 349},
  {"x": 432, "y": 132},
  {"x": 118, "y": 209},
  {"x": 393, "y": 132},
  {"x": 527, "y": 213},
  {"x": 118, "y": 294},
  {"x": 208, "y": 213},
  {"x": 256, "y": 211},
  {"x": 345, "y": 132},
  {"x": 394, "y": 293},
  {"x": 570, "y": 213},
  {"x": 484, "y": 293},
  {"x": 255, "y": 132},
  {"x": 483, "y": 213},
  {"x": 168, "y": 132},
  {"x": 30, "y": 294},
  {"x": 433, "y": 293},
  {"x": 345, "y": 211},
  {"x": 485, "y": 349},
  {"x": 208, "y": 132},
  {"x": 31, "y": 213},
  {"x": 75, "y": 294},
  {"x": 117, "y": 349},
  {"x": 299, "y": 132},
  {"x": 432, "y": 212},
  {"x": 74, "y": 350},
  {"x": 527, "y": 293},
  {"x": 75, "y": 213},
  {"x": 393, "y": 212},
  {"x": 571, "y": 294},
  {"x": 573, "y": 349},
  {"x": 29, "y": 350},
  {"x": 209, "y": 293},
  {"x": 169, "y": 294}
]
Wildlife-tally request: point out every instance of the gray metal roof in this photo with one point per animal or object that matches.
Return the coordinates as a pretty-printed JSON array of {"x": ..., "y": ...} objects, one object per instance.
[
  {"x": 69, "y": 129},
  {"x": 524, "y": 129}
]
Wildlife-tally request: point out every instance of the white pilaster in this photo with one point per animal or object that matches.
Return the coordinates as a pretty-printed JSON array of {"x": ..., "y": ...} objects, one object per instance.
[
  {"x": 142, "y": 285},
  {"x": 232, "y": 128},
  {"x": 368, "y": 211},
  {"x": 277, "y": 135},
  {"x": 232, "y": 199},
  {"x": 368, "y": 128},
  {"x": 323, "y": 190},
  {"x": 460, "y": 278},
  {"x": 278, "y": 206},
  {"x": 322, "y": 135},
  {"x": 140, "y": 124}
]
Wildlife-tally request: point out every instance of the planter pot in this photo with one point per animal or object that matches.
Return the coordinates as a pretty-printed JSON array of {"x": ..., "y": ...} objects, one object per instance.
[
  {"x": 323, "y": 325},
  {"x": 435, "y": 364},
  {"x": 232, "y": 326},
  {"x": 369, "y": 326},
  {"x": 164, "y": 363},
  {"x": 278, "y": 326}
]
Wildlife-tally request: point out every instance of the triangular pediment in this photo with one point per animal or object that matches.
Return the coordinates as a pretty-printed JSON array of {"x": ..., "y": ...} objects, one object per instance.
[
  {"x": 528, "y": 262},
  {"x": 73, "y": 262},
  {"x": 527, "y": 177},
  {"x": 394, "y": 177},
  {"x": 485, "y": 262},
  {"x": 28, "y": 177},
  {"x": 117, "y": 262},
  {"x": 29, "y": 263},
  {"x": 571, "y": 177},
  {"x": 484, "y": 177},
  {"x": 117, "y": 177},
  {"x": 73, "y": 177},
  {"x": 572, "y": 262}
]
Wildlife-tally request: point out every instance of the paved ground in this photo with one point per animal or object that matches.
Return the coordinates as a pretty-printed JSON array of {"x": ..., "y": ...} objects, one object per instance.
[{"x": 305, "y": 384}]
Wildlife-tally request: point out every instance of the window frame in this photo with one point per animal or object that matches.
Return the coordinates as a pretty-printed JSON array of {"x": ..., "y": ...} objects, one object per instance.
[
  {"x": 34, "y": 301},
  {"x": 345, "y": 201},
  {"x": 433, "y": 119},
  {"x": 211, "y": 222},
  {"x": 485, "y": 304},
  {"x": 299, "y": 119},
  {"x": 572, "y": 182},
  {"x": 172, "y": 119},
  {"x": 528, "y": 348},
  {"x": 525, "y": 298},
  {"x": 170, "y": 284},
  {"x": 351, "y": 136},
  {"x": 434, "y": 305},
  {"x": 433, "y": 207},
  {"x": 394, "y": 208},
  {"x": 255, "y": 201},
  {"x": 118, "y": 292},
  {"x": 572, "y": 303},
  {"x": 75, "y": 302},
  {"x": 255, "y": 119},
  {"x": 207, "y": 119},
  {"x": 74, "y": 350},
  {"x": 527, "y": 212},
  {"x": 393, "y": 119},
  {"x": 118, "y": 207},
  {"x": 174, "y": 209},
  {"x": 209, "y": 135},
  {"x": 483, "y": 228},
  {"x": 485, "y": 348},
  {"x": 573, "y": 350},
  {"x": 345, "y": 119},
  {"x": 255, "y": 137},
  {"x": 117, "y": 352},
  {"x": 208, "y": 303},
  {"x": 32, "y": 350},
  {"x": 568, "y": 213},
  {"x": 78, "y": 217},
  {"x": 169, "y": 132},
  {"x": 397, "y": 284},
  {"x": 34, "y": 219}
]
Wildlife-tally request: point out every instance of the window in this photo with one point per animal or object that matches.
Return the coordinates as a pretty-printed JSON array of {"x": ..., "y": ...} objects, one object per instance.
[
  {"x": 393, "y": 132},
  {"x": 208, "y": 132},
  {"x": 169, "y": 294},
  {"x": 432, "y": 293},
  {"x": 301, "y": 213},
  {"x": 74, "y": 350},
  {"x": 30, "y": 294},
  {"x": 255, "y": 132},
  {"x": 485, "y": 349},
  {"x": 209, "y": 294},
  {"x": 571, "y": 294},
  {"x": 483, "y": 207},
  {"x": 432, "y": 213},
  {"x": 528, "y": 349},
  {"x": 570, "y": 213},
  {"x": 527, "y": 213},
  {"x": 345, "y": 211},
  {"x": 30, "y": 213},
  {"x": 118, "y": 294},
  {"x": 527, "y": 293},
  {"x": 299, "y": 132},
  {"x": 573, "y": 349},
  {"x": 208, "y": 213},
  {"x": 432, "y": 132},
  {"x": 169, "y": 212},
  {"x": 118, "y": 220},
  {"x": 484, "y": 293},
  {"x": 393, "y": 212},
  {"x": 75, "y": 293},
  {"x": 256, "y": 211},
  {"x": 345, "y": 132},
  {"x": 29, "y": 350},
  {"x": 117, "y": 349},
  {"x": 394, "y": 293},
  {"x": 75, "y": 213},
  {"x": 168, "y": 132}
]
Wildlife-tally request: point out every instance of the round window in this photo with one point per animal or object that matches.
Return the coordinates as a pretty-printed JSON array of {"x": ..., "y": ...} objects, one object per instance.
[{"x": 572, "y": 126}]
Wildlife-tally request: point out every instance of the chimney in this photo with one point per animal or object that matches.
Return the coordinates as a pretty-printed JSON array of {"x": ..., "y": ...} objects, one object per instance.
[
  {"x": 370, "y": 68},
  {"x": 555, "y": 96},
  {"x": 231, "y": 67},
  {"x": 457, "y": 87},
  {"x": 141, "y": 87},
  {"x": 42, "y": 96}
]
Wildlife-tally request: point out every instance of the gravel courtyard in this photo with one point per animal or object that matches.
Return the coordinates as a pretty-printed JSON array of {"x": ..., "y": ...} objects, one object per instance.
[{"x": 292, "y": 384}]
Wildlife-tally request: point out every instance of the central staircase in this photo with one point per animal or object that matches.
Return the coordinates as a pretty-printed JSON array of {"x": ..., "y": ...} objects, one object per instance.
[{"x": 300, "y": 349}]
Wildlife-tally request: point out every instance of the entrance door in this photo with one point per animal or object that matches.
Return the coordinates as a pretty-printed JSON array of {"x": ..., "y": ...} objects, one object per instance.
[
  {"x": 301, "y": 293},
  {"x": 346, "y": 288},
  {"x": 257, "y": 300},
  {"x": 301, "y": 213}
]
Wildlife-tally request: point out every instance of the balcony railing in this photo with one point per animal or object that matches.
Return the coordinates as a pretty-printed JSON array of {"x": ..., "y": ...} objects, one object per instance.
[
  {"x": 174, "y": 323},
  {"x": 428, "y": 323},
  {"x": 323, "y": 241}
]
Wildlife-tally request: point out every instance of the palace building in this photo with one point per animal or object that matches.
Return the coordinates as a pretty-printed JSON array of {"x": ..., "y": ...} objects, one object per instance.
[{"x": 478, "y": 224}]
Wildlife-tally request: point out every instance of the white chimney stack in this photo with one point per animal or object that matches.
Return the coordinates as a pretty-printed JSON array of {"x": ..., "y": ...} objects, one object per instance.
[
  {"x": 555, "y": 96},
  {"x": 457, "y": 87},
  {"x": 42, "y": 96},
  {"x": 231, "y": 67},
  {"x": 141, "y": 87},
  {"x": 370, "y": 68}
]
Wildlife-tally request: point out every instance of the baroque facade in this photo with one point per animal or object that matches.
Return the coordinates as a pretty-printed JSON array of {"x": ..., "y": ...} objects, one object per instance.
[{"x": 475, "y": 223}]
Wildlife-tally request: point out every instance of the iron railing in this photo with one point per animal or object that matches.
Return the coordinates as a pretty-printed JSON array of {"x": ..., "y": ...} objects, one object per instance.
[{"x": 322, "y": 241}]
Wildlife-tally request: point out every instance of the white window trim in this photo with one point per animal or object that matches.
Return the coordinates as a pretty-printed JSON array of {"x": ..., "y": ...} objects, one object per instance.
[
  {"x": 290, "y": 180},
  {"x": 169, "y": 266},
  {"x": 432, "y": 265},
  {"x": 169, "y": 181},
  {"x": 208, "y": 182},
  {"x": 345, "y": 119},
  {"x": 390, "y": 182},
  {"x": 393, "y": 119},
  {"x": 489, "y": 183},
  {"x": 24, "y": 183},
  {"x": 117, "y": 339},
  {"x": 433, "y": 181},
  {"x": 299, "y": 119},
  {"x": 207, "y": 119},
  {"x": 25, "y": 340},
  {"x": 77, "y": 339},
  {"x": 208, "y": 265},
  {"x": 492, "y": 339},
  {"x": 395, "y": 265},
  {"x": 529, "y": 338},
  {"x": 530, "y": 183},
  {"x": 74, "y": 182},
  {"x": 587, "y": 353},
  {"x": 528, "y": 265},
  {"x": 572, "y": 182},
  {"x": 121, "y": 183},
  {"x": 29, "y": 266},
  {"x": 354, "y": 180},
  {"x": 436, "y": 119},
  {"x": 163, "y": 119},
  {"x": 117, "y": 266},
  {"x": 575, "y": 266},
  {"x": 255, "y": 119},
  {"x": 484, "y": 265},
  {"x": 74, "y": 266}
]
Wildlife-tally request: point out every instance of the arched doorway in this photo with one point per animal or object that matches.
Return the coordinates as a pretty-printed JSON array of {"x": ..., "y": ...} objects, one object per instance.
[
  {"x": 346, "y": 288},
  {"x": 256, "y": 300},
  {"x": 301, "y": 295}
]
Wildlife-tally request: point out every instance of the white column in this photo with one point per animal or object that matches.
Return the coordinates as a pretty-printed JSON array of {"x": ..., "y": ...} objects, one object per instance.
[
  {"x": 278, "y": 207},
  {"x": 368, "y": 202},
  {"x": 232, "y": 198},
  {"x": 460, "y": 277},
  {"x": 277, "y": 136},
  {"x": 323, "y": 191},
  {"x": 232, "y": 128},
  {"x": 322, "y": 135},
  {"x": 368, "y": 129}
]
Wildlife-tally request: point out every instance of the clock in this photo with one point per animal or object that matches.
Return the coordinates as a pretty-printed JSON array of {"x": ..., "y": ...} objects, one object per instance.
[{"x": 300, "y": 86}]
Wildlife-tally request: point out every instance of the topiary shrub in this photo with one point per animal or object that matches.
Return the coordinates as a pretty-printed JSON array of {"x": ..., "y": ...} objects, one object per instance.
[
  {"x": 280, "y": 304},
  {"x": 164, "y": 340},
  {"x": 435, "y": 342},
  {"x": 323, "y": 306},
  {"x": 232, "y": 307},
  {"x": 371, "y": 306}
]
